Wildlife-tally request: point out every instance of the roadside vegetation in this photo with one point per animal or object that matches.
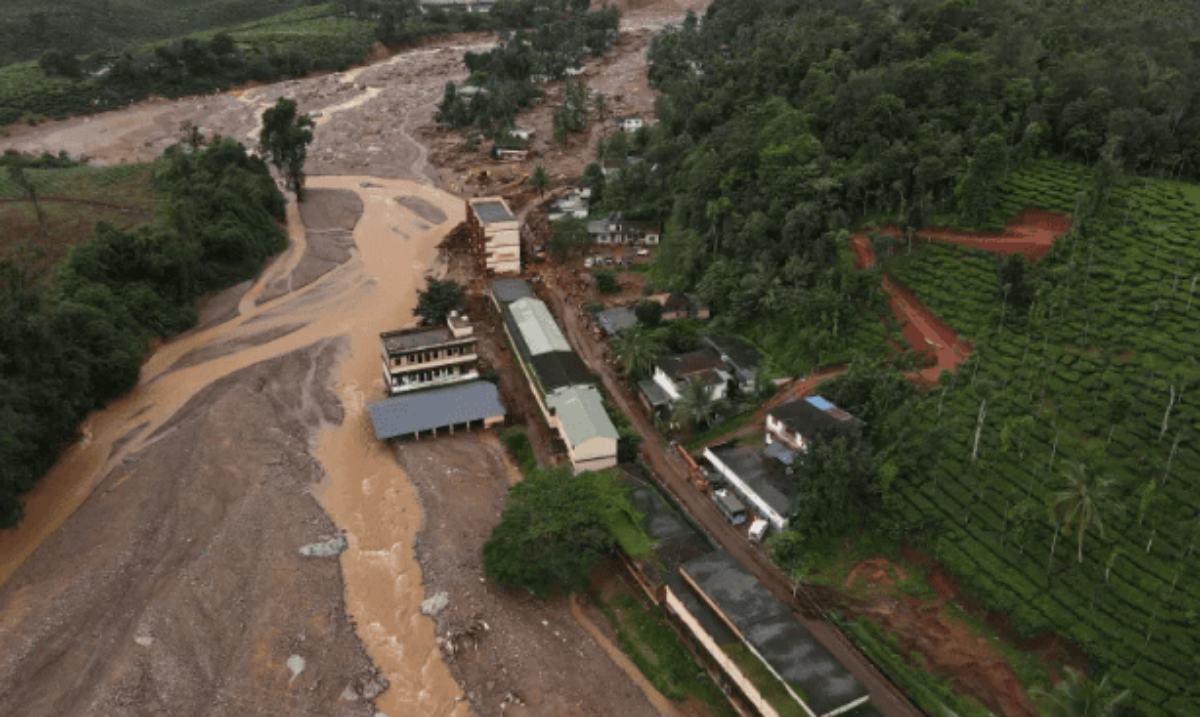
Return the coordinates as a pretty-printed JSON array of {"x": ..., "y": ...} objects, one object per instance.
[
  {"x": 1055, "y": 472},
  {"x": 74, "y": 343},
  {"x": 557, "y": 525}
]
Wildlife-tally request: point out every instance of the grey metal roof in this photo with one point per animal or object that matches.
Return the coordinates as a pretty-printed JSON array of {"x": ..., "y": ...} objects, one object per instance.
[
  {"x": 805, "y": 418},
  {"x": 784, "y": 643},
  {"x": 616, "y": 319},
  {"x": 507, "y": 291},
  {"x": 435, "y": 408},
  {"x": 765, "y": 477},
  {"x": 537, "y": 327},
  {"x": 780, "y": 452},
  {"x": 742, "y": 355},
  {"x": 492, "y": 210},
  {"x": 655, "y": 394}
]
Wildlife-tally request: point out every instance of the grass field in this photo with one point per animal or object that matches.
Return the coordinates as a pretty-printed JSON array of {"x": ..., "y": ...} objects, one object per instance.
[
  {"x": 112, "y": 24},
  {"x": 73, "y": 200},
  {"x": 1103, "y": 376}
]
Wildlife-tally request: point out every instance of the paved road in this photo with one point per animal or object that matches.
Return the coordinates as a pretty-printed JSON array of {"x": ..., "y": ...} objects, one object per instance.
[{"x": 671, "y": 471}]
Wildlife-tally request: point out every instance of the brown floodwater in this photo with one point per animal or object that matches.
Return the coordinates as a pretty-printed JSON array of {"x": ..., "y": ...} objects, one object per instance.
[{"x": 365, "y": 492}]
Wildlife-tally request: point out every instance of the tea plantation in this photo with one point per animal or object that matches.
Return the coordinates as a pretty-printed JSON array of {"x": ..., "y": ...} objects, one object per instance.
[{"x": 1098, "y": 376}]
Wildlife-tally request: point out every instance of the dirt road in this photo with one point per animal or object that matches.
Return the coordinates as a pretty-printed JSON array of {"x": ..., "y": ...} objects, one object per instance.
[{"x": 672, "y": 473}]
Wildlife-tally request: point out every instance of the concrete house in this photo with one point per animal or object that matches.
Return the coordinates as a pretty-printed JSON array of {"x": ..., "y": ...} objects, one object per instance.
[
  {"x": 681, "y": 306},
  {"x": 418, "y": 358},
  {"x": 495, "y": 234},
  {"x": 630, "y": 124},
  {"x": 793, "y": 424},
  {"x": 739, "y": 357},
  {"x": 673, "y": 373},
  {"x": 614, "y": 229},
  {"x": 758, "y": 479},
  {"x": 577, "y": 413}
]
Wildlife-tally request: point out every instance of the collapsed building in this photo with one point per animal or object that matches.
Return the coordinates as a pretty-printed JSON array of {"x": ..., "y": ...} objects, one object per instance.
[{"x": 495, "y": 234}]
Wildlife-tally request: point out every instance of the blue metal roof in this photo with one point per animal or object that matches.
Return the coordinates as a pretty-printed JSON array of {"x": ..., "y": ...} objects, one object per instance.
[
  {"x": 435, "y": 408},
  {"x": 819, "y": 403}
]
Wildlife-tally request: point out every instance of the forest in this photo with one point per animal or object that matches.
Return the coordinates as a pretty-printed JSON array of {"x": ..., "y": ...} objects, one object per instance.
[
  {"x": 507, "y": 76},
  {"x": 57, "y": 82},
  {"x": 1055, "y": 471},
  {"x": 70, "y": 345}
]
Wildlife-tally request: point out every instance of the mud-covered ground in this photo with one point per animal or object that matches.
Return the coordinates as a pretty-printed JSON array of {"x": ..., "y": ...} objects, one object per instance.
[
  {"x": 181, "y": 582},
  {"x": 526, "y": 656}
]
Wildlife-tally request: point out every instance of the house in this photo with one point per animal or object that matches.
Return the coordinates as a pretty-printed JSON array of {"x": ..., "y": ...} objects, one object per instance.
[
  {"x": 508, "y": 154},
  {"x": 616, "y": 319},
  {"x": 574, "y": 71},
  {"x": 577, "y": 413},
  {"x": 573, "y": 205},
  {"x": 759, "y": 480},
  {"x": 630, "y": 124},
  {"x": 461, "y": 406},
  {"x": 681, "y": 306},
  {"x": 676, "y": 372},
  {"x": 741, "y": 358},
  {"x": 470, "y": 92},
  {"x": 802, "y": 664},
  {"x": 419, "y": 358},
  {"x": 654, "y": 397},
  {"x": 609, "y": 167},
  {"x": 521, "y": 133},
  {"x": 561, "y": 382},
  {"x": 793, "y": 424},
  {"x": 495, "y": 234},
  {"x": 615, "y": 229}
]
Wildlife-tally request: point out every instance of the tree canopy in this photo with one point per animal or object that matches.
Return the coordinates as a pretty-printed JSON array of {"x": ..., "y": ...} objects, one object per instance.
[
  {"x": 438, "y": 299},
  {"x": 555, "y": 526},
  {"x": 284, "y": 141}
]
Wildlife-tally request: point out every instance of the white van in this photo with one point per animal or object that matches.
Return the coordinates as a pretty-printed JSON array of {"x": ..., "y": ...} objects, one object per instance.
[{"x": 758, "y": 530}]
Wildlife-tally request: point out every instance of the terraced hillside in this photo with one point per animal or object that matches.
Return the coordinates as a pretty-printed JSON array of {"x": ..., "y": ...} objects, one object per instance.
[{"x": 1090, "y": 390}]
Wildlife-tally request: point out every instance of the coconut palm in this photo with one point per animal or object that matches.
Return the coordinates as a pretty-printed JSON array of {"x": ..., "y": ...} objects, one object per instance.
[
  {"x": 636, "y": 351},
  {"x": 1078, "y": 696},
  {"x": 696, "y": 406},
  {"x": 1080, "y": 502}
]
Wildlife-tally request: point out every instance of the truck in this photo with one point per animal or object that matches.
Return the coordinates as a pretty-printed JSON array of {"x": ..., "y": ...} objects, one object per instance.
[{"x": 732, "y": 508}]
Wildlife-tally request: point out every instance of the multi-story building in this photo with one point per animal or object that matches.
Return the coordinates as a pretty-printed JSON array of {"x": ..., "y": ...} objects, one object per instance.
[
  {"x": 495, "y": 234},
  {"x": 422, "y": 357}
]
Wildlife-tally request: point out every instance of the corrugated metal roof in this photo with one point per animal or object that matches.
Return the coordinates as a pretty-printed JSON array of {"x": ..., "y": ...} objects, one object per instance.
[
  {"x": 616, "y": 319},
  {"x": 819, "y": 402},
  {"x": 507, "y": 291},
  {"x": 557, "y": 369},
  {"x": 435, "y": 408},
  {"x": 655, "y": 394},
  {"x": 582, "y": 414},
  {"x": 537, "y": 327},
  {"x": 786, "y": 644}
]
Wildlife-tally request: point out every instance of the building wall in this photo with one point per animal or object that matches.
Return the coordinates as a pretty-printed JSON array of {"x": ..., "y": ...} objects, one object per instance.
[
  {"x": 593, "y": 455},
  {"x": 777, "y": 521},
  {"x": 779, "y": 432},
  {"x": 728, "y": 666}
]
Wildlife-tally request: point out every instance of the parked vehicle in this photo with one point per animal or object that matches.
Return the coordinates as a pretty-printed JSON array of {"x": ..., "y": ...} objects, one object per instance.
[
  {"x": 732, "y": 508},
  {"x": 643, "y": 252},
  {"x": 758, "y": 530},
  {"x": 588, "y": 263}
]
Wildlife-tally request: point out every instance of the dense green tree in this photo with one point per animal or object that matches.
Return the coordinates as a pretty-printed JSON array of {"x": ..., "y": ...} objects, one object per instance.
[
  {"x": 837, "y": 484},
  {"x": 649, "y": 313},
  {"x": 637, "y": 350},
  {"x": 606, "y": 281},
  {"x": 568, "y": 237},
  {"x": 284, "y": 141},
  {"x": 554, "y": 528},
  {"x": 540, "y": 180},
  {"x": 437, "y": 300}
]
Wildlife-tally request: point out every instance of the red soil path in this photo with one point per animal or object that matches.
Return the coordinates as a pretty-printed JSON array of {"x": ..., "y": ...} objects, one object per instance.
[
  {"x": 923, "y": 330},
  {"x": 1031, "y": 233}
]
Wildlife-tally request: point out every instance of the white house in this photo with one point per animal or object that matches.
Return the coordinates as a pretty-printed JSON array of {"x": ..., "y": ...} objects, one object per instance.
[
  {"x": 630, "y": 124},
  {"x": 673, "y": 373},
  {"x": 793, "y": 424},
  {"x": 522, "y": 133},
  {"x": 761, "y": 482}
]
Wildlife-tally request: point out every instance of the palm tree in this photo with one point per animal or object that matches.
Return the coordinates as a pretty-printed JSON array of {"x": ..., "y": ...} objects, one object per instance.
[
  {"x": 1078, "y": 696},
  {"x": 636, "y": 350},
  {"x": 26, "y": 184},
  {"x": 1078, "y": 505},
  {"x": 696, "y": 406},
  {"x": 540, "y": 180}
]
